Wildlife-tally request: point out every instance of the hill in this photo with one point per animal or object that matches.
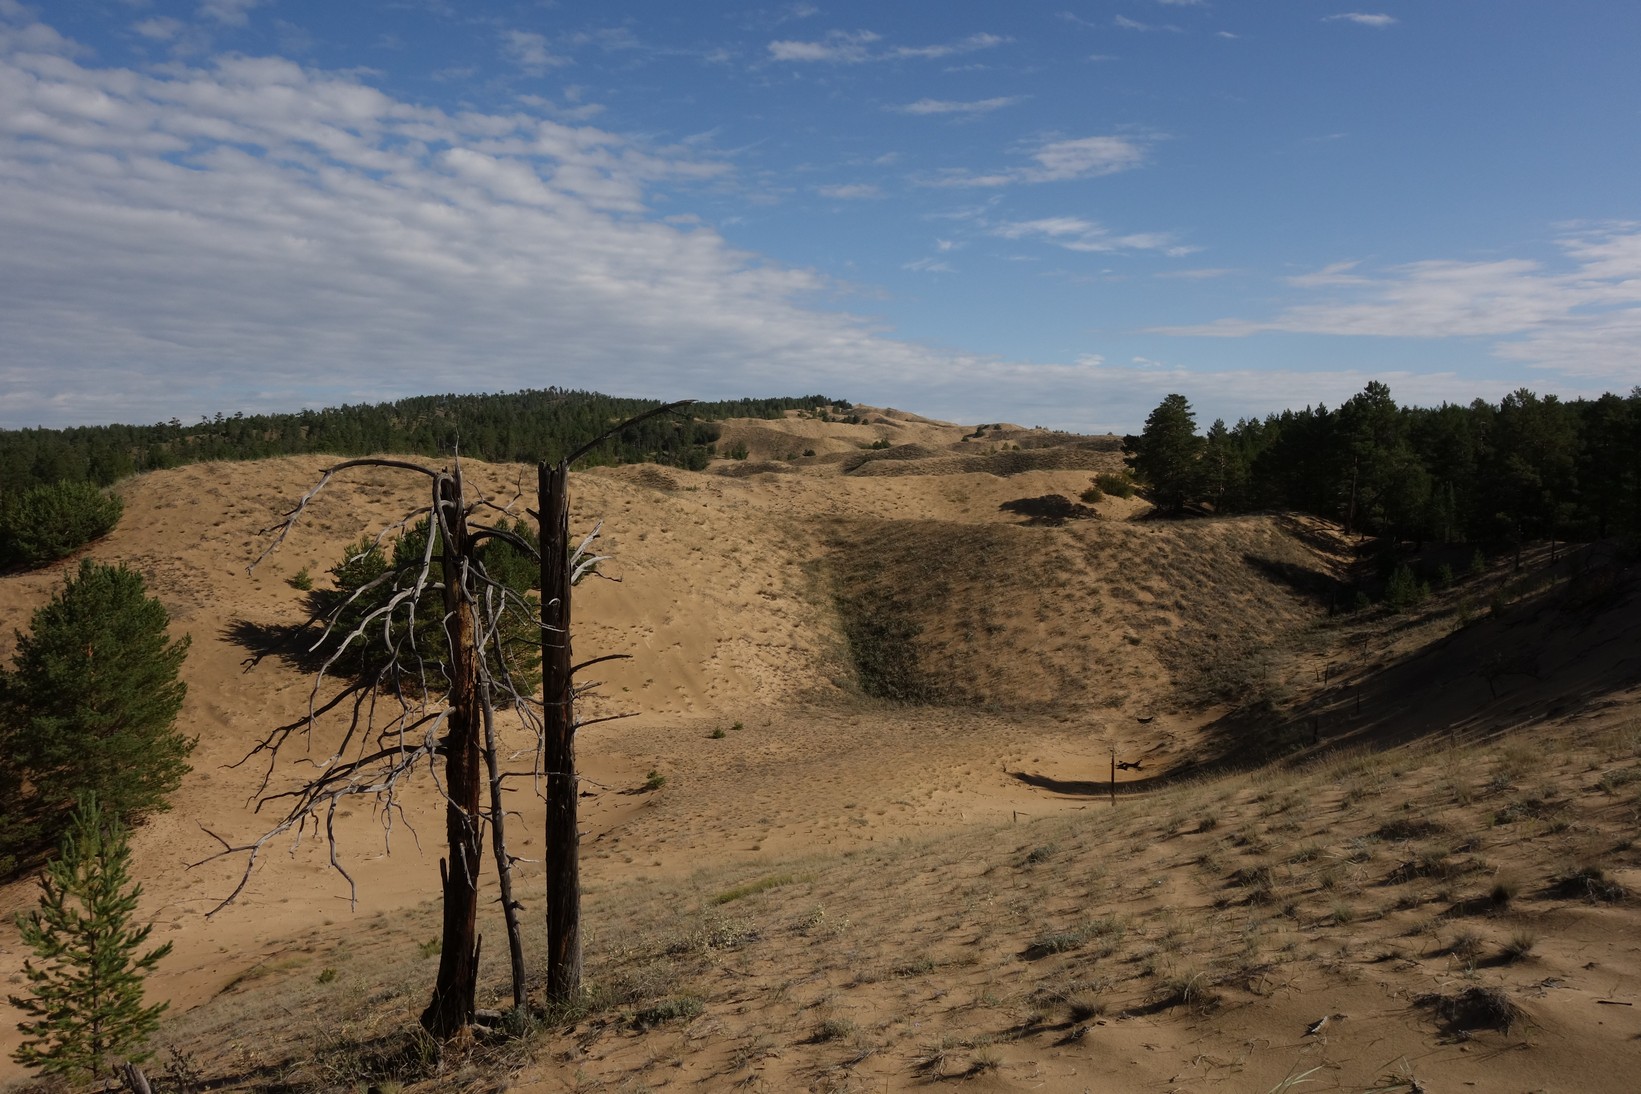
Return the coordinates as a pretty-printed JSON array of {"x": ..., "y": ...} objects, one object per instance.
[{"x": 861, "y": 833}]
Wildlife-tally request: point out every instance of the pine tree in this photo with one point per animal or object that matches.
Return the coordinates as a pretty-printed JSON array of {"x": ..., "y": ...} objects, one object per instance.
[
  {"x": 1165, "y": 455},
  {"x": 91, "y": 703},
  {"x": 85, "y": 1010}
]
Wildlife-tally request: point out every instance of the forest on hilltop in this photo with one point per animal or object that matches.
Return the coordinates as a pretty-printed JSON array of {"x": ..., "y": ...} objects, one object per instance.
[
  {"x": 522, "y": 426},
  {"x": 1530, "y": 467}
]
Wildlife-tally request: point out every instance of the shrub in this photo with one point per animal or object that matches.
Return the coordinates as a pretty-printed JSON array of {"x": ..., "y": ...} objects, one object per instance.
[
  {"x": 1405, "y": 590},
  {"x": 46, "y": 523},
  {"x": 1118, "y": 484},
  {"x": 404, "y": 644}
]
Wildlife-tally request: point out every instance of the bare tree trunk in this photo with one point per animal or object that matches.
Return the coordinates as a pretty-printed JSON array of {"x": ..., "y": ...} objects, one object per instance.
[
  {"x": 558, "y": 750},
  {"x": 452, "y": 1005},
  {"x": 134, "y": 1080},
  {"x": 504, "y": 864}
]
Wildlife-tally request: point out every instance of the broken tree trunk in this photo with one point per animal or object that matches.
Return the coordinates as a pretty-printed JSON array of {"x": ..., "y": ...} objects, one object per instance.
[
  {"x": 558, "y": 745},
  {"x": 453, "y": 1002},
  {"x": 504, "y": 863}
]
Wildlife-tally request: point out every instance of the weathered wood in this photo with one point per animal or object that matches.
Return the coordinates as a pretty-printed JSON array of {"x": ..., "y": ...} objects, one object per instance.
[
  {"x": 563, "y": 870},
  {"x": 451, "y": 1007},
  {"x": 133, "y": 1078},
  {"x": 504, "y": 864}
]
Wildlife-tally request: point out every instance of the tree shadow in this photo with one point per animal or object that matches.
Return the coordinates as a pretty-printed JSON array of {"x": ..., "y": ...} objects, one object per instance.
[
  {"x": 289, "y": 643},
  {"x": 1049, "y": 510}
]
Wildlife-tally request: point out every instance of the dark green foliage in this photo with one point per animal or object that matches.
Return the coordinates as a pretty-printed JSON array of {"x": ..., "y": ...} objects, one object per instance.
[
  {"x": 90, "y": 706},
  {"x": 1530, "y": 467},
  {"x": 1405, "y": 591},
  {"x": 520, "y": 426},
  {"x": 84, "y": 1006},
  {"x": 1166, "y": 454},
  {"x": 394, "y": 633},
  {"x": 45, "y": 523}
]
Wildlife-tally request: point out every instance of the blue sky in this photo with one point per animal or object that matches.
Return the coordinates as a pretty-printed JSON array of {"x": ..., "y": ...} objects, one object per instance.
[{"x": 1051, "y": 213}]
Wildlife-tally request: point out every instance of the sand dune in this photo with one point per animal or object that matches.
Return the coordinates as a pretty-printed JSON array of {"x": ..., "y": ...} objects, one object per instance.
[{"x": 940, "y": 889}]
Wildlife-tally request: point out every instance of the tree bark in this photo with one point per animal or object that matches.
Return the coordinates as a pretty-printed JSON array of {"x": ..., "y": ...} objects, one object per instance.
[
  {"x": 558, "y": 748},
  {"x": 504, "y": 864},
  {"x": 452, "y": 1005}
]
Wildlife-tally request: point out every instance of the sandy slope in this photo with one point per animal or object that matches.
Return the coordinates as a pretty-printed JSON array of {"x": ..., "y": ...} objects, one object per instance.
[{"x": 925, "y": 850}]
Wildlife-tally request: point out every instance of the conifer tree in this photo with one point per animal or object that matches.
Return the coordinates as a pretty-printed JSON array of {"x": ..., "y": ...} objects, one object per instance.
[
  {"x": 84, "y": 1007},
  {"x": 91, "y": 704}
]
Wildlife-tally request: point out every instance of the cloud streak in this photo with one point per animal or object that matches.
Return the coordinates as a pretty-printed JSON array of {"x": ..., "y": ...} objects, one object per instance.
[
  {"x": 860, "y": 47},
  {"x": 1583, "y": 321},
  {"x": 1056, "y": 161},
  {"x": 948, "y": 106},
  {"x": 1377, "y": 21}
]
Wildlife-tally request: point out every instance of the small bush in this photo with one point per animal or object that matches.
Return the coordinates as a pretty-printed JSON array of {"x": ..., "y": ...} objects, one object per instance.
[
  {"x": 1590, "y": 882},
  {"x": 1405, "y": 591},
  {"x": 1116, "y": 483},
  {"x": 1520, "y": 945},
  {"x": 718, "y": 734},
  {"x": 654, "y": 780}
]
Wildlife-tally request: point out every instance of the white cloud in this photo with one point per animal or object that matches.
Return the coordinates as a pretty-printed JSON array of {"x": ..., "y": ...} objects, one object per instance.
[
  {"x": 1378, "y": 21},
  {"x": 1584, "y": 320},
  {"x": 1203, "y": 273},
  {"x": 528, "y": 50},
  {"x": 159, "y": 28},
  {"x": 1086, "y": 157},
  {"x": 1088, "y": 237},
  {"x": 854, "y": 191},
  {"x": 251, "y": 234},
  {"x": 948, "y": 106},
  {"x": 859, "y": 47},
  {"x": 839, "y": 47},
  {"x": 929, "y": 265},
  {"x": 1054, "y": 161},
  {"x": 1125, "y": 23},
  {"x": 230, "y": 13}
]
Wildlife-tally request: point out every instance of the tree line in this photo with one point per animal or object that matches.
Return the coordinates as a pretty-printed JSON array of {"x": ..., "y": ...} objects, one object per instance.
[
  {"x": 512, "y": 427},
  {"x": 1528, "y": 467}
]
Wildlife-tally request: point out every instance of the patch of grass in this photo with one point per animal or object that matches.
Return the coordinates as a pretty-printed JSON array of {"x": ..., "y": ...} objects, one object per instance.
[
  {"x": 832, "y": 1029},
  {"x": 1589, "y": 882},
  {"x": 1055, "y": 942},
  {"x": 654, "y": 780},
  {"x": 1041, "y": 854},
  {"x": 676, "y": 1008},
  {"x": 326, "y": 976},
  {"x": 431, "y": 948},
  {"x": 1187, "y": 988},
  {"x": 1519, "y": 945},
  {"x": 1409, "y": 828},
  {"x": 761, "y": 885},
  {"x": 1259, "y": 882},
  {"x": 1473, "y": 1009},
  {"x": 717, "y": 734}
]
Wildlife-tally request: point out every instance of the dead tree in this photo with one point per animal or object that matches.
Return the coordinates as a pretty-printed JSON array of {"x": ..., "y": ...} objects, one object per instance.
[
  {"x": 378, "y": 753},
  {"x": 447, "y": 715},
  {"x": 561, "y": 569}
]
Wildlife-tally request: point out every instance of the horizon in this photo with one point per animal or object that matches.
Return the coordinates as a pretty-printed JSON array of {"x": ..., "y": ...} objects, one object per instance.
[{"x": 1052, "y": 217}]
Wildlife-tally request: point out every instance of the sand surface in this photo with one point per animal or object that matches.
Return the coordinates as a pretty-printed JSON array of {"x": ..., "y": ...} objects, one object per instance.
[{"x": 898, "y": 951}]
